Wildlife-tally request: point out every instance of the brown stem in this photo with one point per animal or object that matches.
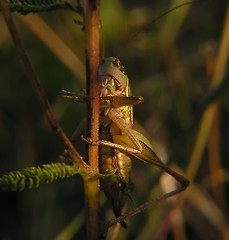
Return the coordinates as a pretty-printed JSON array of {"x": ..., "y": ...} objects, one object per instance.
[
  {"x": 38, "y": 87},
  {"x": 91, "y": 188}
]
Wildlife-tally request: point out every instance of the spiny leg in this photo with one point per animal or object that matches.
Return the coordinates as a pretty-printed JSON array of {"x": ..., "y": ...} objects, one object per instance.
[{"x": 181, "y": 179}]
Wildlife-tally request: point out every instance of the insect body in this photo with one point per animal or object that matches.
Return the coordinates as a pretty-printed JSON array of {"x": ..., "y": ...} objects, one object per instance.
[
  {"x": 118, "y": 110},
  {"x": 115, "y": 164},
  {"x": 118, "y": 138},
  {"x": 115, "y": 94}
]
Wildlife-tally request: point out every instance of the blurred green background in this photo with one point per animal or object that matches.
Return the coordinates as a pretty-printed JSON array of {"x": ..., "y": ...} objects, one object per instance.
[{"x": 171, "y": 63}]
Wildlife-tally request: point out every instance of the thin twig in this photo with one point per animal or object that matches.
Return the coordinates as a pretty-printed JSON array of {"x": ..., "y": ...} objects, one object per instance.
[{"x": 38, "y": 87}]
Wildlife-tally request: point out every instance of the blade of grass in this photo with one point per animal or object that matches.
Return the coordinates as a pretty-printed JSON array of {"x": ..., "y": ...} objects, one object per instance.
[
  {"x": 41, "y": 29},
  {"x": 208, "y": 116},
  {"x": 205, "y": 123}
]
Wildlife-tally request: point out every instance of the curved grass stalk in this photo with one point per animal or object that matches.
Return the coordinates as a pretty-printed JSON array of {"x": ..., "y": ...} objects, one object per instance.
[
  {"x": 207, "y": 120},
  {"x": 55, "y": 44},
  {"x": 38, "y": 87},
  {"x": 208, "y": 116}
]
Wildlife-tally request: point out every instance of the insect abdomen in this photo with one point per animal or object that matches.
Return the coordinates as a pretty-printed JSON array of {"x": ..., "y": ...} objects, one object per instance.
[{"x": 117, "y": 166}]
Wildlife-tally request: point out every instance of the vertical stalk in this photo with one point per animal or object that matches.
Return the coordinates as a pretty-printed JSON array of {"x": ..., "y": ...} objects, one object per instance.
[{"x": 91, "y": 188}]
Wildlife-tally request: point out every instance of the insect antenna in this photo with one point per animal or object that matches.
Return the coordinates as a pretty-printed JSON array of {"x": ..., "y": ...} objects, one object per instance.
[{"x": 134, "y": 33}]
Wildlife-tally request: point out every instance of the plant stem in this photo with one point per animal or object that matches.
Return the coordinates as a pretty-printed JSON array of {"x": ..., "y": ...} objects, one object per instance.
[{"x": 91, "y": 188}]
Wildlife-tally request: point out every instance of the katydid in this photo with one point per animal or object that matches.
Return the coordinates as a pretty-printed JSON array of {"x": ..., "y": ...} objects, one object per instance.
[
  {"x": 118, "y": 138},
  {"x": 117, "y": 105},
  {"x": 114, "y": 93}
]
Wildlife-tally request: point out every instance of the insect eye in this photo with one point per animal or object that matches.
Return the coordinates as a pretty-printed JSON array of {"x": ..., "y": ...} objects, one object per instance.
[
  {"x": 116, "y": 62},
  {"x": 123, "y": 70}
]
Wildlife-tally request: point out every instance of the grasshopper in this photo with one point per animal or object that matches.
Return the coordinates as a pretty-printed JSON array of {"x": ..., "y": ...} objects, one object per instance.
[
  {"x": 119, "y": 138},
  {"x": 115, "y": 94},
  {"x": 114, "y": 164}
]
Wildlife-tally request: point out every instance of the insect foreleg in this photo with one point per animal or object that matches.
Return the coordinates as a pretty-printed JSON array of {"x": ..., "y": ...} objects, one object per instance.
[
  {"x": 74, "y": 96},
  {"x": 121, "y": 101}
]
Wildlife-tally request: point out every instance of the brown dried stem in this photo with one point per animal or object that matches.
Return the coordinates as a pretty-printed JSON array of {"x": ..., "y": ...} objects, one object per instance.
[
  {"x": 38, "y": 87},
  {"x": 92, "y": 38}
]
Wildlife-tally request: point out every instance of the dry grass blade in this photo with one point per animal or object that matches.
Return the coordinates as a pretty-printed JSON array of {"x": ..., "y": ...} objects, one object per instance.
[
  {"x": 38, "y": 26},
  {"x": 210, "y": 112}
]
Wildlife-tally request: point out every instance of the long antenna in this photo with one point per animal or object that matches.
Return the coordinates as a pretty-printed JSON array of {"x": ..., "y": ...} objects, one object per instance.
[{"x": 147, "y": 25}]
